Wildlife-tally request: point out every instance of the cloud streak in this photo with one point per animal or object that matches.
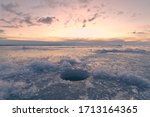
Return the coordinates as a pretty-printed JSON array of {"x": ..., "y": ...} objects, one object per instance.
[
  {"x": 2, "y": 31},
  {"x": 12, "y": 8},
  {"x": 11, "y": 26},
  {"x": 84, "y": 1},
  {"x": 139, "y": 33},
  {"x": 19, "y": 18},
  {"x": 47, "y": 20},
  {"x": 93, "y": 18}
]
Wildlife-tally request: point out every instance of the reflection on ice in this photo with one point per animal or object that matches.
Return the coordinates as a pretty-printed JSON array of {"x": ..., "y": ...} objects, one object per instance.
[{"x": 52, "y": 72}]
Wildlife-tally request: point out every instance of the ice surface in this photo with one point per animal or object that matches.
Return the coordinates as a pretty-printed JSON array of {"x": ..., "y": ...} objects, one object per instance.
[
  {"x": 133, "y": 51},
  {"x": 74, "y": 72},
  {"x": 42, "y": 66}
]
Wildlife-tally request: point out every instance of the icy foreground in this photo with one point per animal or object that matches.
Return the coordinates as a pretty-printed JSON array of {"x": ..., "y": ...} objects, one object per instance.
[{"x": 74, "y": 72}]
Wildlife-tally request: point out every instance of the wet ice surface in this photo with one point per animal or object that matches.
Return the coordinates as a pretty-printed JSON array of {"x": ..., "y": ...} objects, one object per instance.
[{"x": 74, "y": 72}]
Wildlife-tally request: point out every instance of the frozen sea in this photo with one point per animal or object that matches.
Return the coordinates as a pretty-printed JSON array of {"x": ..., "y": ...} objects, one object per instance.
[{"x": 75, "y": 72}]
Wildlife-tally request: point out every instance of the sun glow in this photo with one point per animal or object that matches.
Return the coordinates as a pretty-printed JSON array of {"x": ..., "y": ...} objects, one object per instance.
[{"x": 88, "y": 32}]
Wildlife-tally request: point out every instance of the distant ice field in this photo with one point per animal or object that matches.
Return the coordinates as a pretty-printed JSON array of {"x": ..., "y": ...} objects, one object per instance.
[{"x": 75, "y": 72}]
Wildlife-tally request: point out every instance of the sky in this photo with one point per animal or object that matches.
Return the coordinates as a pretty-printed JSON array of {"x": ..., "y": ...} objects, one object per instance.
[{"x": 57, "y": 20}]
